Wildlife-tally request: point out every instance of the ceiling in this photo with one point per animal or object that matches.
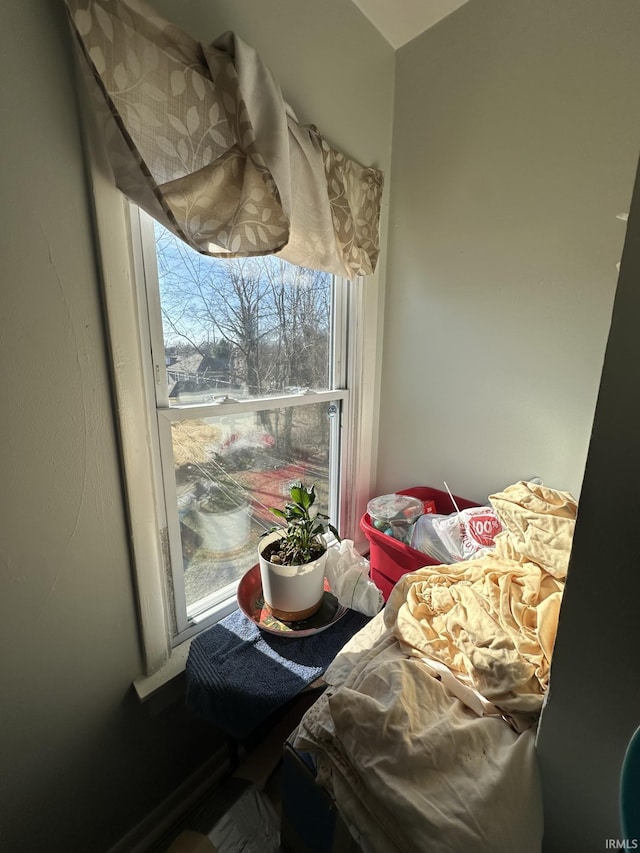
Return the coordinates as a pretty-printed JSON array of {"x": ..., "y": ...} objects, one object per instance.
[{"x": 399, "y": 21}]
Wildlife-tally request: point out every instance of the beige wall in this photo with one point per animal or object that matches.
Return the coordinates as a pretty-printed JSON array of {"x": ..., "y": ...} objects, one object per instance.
[
  {"x": 516, "y": 134},
  {"x": 81, "y": 760}
]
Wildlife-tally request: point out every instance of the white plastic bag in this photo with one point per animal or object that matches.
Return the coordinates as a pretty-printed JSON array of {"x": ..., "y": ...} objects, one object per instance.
[
  {"x": 348, "y": 574},
  {"x": 425, "y": 537},
  {"x": 459, "y": 536}
]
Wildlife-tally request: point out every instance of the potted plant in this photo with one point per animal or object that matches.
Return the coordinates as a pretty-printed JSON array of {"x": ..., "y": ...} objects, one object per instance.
[{"x": 292, "y": 557}]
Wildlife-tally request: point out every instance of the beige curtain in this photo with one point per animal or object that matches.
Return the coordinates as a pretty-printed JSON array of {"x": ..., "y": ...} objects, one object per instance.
[{"x": 200, "y": 137}]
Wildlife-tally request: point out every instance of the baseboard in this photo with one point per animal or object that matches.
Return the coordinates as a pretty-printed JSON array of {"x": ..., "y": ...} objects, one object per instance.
[{"x": 158, "y": 823}]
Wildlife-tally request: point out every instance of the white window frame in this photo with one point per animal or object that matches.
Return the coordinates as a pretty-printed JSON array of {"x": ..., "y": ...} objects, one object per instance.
[
  {"x": 187, "y": 621},
  {"x": 119, "y": 269}
]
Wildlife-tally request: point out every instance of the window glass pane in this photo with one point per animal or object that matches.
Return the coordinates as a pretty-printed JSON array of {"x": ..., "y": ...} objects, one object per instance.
[
  {"x": 247, "y": 327},
  {"x": 229, "y": 471}
]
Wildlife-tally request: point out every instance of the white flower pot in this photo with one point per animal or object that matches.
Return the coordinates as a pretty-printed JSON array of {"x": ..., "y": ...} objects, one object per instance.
[{"x": 291, "y": 593}]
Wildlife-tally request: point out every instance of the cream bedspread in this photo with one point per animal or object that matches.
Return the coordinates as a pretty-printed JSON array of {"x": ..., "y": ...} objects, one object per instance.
[{"x": 425, "y": 737}]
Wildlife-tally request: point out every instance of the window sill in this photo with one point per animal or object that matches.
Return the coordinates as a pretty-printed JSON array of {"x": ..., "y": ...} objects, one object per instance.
[{"x": 168, "y": 675}]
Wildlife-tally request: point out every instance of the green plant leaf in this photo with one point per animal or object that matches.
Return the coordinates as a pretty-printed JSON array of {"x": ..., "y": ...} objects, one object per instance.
[
  {"x": 294, "y": 510},
  {"x": 302, "y": 537},
  {"x": 297, "y": 493},
  {"x": 334, "y": 531}
]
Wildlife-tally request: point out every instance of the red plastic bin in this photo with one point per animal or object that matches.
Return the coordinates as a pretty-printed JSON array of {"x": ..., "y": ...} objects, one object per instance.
[{"x": 388, "y": 557}]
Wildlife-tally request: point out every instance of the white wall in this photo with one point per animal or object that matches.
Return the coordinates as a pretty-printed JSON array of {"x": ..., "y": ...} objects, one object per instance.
[
  {"x": 516, "y": 134},
  {"x": 594, "y": 701},
  {"x": 516, "y": 141},
  {"x": 81, "y": 760}
]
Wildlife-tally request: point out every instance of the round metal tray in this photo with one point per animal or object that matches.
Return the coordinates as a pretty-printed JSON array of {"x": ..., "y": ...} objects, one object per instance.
[{"x": 251, "y": 602}]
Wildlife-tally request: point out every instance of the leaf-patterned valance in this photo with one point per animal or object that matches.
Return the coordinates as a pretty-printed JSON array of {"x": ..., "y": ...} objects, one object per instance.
[{"x": 200, "y": 137}]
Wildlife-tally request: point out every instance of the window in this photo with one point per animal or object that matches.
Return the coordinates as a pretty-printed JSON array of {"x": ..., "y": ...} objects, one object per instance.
[
  {"x": 247, "y": 376},
  {"x": 119, "y": 238}
]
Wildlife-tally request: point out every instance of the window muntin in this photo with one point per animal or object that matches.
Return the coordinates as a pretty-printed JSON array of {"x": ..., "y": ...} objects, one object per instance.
[{"x": 248, "y": 360}]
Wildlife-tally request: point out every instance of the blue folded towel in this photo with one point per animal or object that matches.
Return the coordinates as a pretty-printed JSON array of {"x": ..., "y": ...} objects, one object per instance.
[{"x": 237, "y": 675}]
